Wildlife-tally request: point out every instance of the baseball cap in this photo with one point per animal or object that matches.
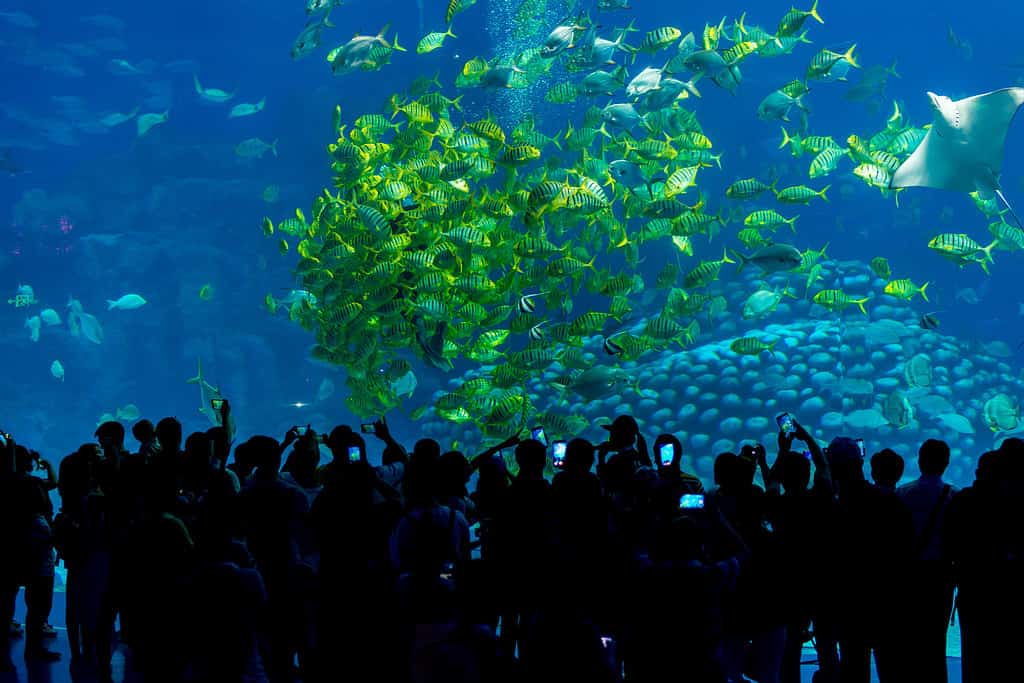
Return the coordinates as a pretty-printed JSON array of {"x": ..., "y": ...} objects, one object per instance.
[{"x": 623, "y": 423}]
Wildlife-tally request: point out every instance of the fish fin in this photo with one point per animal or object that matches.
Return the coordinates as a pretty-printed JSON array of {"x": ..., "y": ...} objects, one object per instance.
[{"x": 814, "y": 12}]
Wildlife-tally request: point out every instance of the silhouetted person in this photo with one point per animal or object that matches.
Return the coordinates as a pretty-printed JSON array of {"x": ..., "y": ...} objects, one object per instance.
[
  {"x": 581, "y": 527},
  {"x": 80, "y": 532},
  {"x": 675, "y": 596},
  {"x": 977, "y": 540},
  {"x": 873, "y": 531},
  {"x": 356, "y": 608},
  {"x": 27, "y": 540},
  {"x": 145, "y": 433},
  {"x": 886, "y": 469},
  {"x": 930, "y": 589},
  {"x": 802, "y": 521},
  {"x": 273, "y": 513},
  {"x": 526, "y": 529}
]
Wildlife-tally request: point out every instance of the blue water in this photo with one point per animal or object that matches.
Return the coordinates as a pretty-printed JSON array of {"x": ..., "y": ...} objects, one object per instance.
[{"x": 179, "y": 210}]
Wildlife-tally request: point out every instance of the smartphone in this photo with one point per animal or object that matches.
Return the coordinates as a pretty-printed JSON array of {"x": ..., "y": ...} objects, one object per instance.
[
  {"x": 785, "y": 421},
  {"x": 538, "y": 434},
  {"x": 216, "y": 403},
  {"x": 558, "y": 452},
  {"x": 353, "y": 454},
  {"x": 301, "y": 431},
  {"x": 367, "y": 428},
  {"x": 807, "y": 454},
  {"x": 691, "y": 501},
  {"x": 666, "y": 453},
  {"x": 860, "y": 446}
]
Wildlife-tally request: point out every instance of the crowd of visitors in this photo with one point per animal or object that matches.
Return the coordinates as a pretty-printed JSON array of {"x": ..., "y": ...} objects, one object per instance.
[{"x": 282, "y": 564}]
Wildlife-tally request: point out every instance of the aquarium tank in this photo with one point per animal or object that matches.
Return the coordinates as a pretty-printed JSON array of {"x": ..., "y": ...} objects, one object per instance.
[{"x": 475, "y": 218}]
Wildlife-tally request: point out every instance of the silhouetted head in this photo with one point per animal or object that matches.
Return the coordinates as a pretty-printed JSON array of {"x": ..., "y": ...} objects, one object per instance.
[
  {"x": 341, "y": 439},
  {"x": 746, "y": 465},
  {"x": 988, "y": 471},
  {"x": 579, "y": 456},
  {"x": 168, "y": 431},
  {"x": 418, "y": 484},
  {"x": 144, "y": 431},
  {"x": 933, "y": 457},
  {"x": 622, "y": 431},
  {"x": 89, "y": 452},
  {"x": 392, "y": 454},
  {"x": 493, "y": 475},
  {"x": 24, "y": 462},
  {"x": 197, "y": 444},
  {"x": 676, "y": 447},
  {"x": 304, "y": 459},
  {"x": 426, "y": 452},
  {"x": 263, "y": 452},
  {"x": 845, "y": 460},
  {"x": 451, "y": 474},
  {"x": 725, "y": 470},
  {"x": 110, "y": 434},
  {"x": 531, "y": 456},
  {"x": 886, "y": 467},
  {"x": 794, "y": 471}
]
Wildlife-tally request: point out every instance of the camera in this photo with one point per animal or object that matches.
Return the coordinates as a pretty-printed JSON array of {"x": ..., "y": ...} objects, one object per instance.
[
  {"x": 368, "y": 428},
  {"x": 353, "y": 454},
  {"x": 216, "y": 403},
  {"x": 691, "y": 501},
  {"x": 538, "y": 434},
  {"x": 666, "y": 453},
  {"x": 301, "y": 431},
  {"x": 785, "y": 421},
  {"x": 558, "y": 453}
]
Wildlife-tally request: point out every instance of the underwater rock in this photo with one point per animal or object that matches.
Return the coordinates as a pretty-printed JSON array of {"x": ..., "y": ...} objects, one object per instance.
[
  {"x": 731, "y": 426},
  {"x": 812, "y": 406}
]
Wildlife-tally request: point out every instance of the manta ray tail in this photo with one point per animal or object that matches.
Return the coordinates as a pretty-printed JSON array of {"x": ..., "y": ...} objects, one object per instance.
[{"x": 1002, "y": 197}]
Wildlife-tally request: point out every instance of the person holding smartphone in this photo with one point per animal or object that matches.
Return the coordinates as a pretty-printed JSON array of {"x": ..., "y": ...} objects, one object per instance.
[{"x": 628, "y": 450}]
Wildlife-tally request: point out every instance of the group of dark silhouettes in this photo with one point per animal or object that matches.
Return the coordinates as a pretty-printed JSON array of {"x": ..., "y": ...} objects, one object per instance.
[{"x": 285, "y": 564}]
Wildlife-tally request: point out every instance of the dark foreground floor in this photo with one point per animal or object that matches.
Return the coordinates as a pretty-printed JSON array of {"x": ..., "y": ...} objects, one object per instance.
[{"x": 59, "y": 673}]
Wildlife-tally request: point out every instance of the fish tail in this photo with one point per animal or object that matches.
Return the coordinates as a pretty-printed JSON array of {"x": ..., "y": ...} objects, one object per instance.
[
  {"x": 848, "y": 56},
  {"x": 814, "y": 12},
  {"x": 860, "y": 304},
  {"x": 924, "y": 287},
  {"x": 786, "y": 139},
  {"x": 741, "y": 260},
  {"x": 273, "y": 147},
  {"x": 111, "y": 304},
  {"x": 823, "y": 191},
  {"x": 988, "y": 251}
]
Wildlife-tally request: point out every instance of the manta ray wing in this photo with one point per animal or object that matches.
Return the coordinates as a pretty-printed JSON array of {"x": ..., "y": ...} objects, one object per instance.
[
  {"x": 969, "y": 155},
  {"x": 932, "y": 165},
  {"x": 985, "y": 120}
]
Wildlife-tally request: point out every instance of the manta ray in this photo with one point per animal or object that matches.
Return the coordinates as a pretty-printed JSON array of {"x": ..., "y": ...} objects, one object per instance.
[{"x": 963, "y": 150}]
